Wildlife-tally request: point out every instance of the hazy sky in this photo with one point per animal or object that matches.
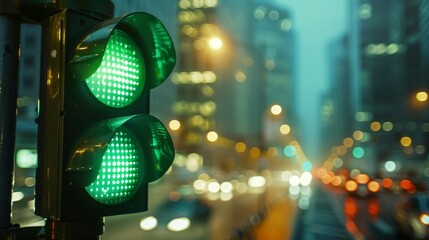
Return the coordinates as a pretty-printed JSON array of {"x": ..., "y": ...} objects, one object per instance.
[{"x": 316, "y": 22}]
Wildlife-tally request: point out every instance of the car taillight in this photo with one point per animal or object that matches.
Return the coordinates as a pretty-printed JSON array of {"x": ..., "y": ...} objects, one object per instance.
[
  {"x": 373, "y": 186},
  {"x": 351, "y": 186}
]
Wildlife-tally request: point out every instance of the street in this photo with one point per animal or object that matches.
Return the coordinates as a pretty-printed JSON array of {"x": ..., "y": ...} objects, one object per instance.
[
  {"x": 249, "y": 214},
  {"x": 272, "y": 212}
]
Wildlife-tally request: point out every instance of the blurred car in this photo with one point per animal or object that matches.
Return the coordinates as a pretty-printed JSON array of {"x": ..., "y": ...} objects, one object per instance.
[
  {"x": 412, "y": 216},
  {"x": 182, "y": 218},
  {"x": 362, "y": 186}
]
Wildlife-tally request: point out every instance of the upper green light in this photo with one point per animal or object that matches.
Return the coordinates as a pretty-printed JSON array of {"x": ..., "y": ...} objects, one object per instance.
[
  {"x": 118, "y": 178},
  {"x": 119, "y": 80}
]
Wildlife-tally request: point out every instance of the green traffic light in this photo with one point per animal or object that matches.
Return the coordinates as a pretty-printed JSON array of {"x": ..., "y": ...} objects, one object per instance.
[
  {"x": 141, "y": 139},
  {"x": 119, "y": 176},
  {"x": 98, "y": 145},
  {"x": 120, "y": 78}
]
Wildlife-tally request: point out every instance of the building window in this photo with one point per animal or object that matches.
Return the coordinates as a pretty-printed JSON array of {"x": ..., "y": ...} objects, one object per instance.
[
  {"x": 28, "y": 81},
  {"x": 30, "y": 40},
  {"x": 29, "y": 62}
]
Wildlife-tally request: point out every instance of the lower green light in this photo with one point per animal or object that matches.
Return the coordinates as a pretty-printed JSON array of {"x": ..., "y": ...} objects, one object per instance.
[{"x": 119, "y": 175}]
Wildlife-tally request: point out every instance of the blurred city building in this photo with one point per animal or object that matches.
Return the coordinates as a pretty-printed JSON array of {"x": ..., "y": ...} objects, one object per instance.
[
  {"x": 384, "y": 88},
  {"x": 235, "y": 64},
  {"x": 28, "y": 88},
  {"x": 28, "y": 95}
]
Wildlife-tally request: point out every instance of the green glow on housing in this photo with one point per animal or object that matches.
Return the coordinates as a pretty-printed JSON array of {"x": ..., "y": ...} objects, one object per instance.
[
  {"x": 118, "y": 178},
  {"x": 119, "y": 80}
]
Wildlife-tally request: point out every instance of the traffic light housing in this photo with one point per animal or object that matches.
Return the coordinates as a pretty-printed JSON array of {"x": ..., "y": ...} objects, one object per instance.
[{"x": 98, "y": 147}]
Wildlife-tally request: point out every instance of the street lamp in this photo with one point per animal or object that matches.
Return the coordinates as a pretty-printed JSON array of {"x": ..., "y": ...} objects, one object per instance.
[
  {"x": 212, "y": 136},
  {"x": 276, "y": 109},
  {"x": 215, "y": 43},
  {"x": 422, "y": 96},
  {"x": 174, "y": 124}
]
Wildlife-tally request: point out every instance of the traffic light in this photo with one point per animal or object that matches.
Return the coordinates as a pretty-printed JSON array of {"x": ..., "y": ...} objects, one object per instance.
[{"x": 98, "y": 147}]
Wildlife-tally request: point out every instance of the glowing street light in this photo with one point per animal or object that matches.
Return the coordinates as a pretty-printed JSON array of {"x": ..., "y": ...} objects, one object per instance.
[
  {"x": 285, "y": 129},
  {"x": 174, "y": 124},
  {"x": 215, "y": 43},
  {"x": 422, "y": 96},
  {"x": 212, "y": 136},
  {"x": 276, "y": 109}
]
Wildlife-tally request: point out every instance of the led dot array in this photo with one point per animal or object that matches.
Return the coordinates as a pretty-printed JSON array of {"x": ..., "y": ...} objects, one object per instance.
[
  {"x": 119, "y": 80},
  {"x": 118, "y": 177}
]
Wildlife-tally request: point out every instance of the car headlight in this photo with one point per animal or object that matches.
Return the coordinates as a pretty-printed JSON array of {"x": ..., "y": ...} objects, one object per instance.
[
  {"x": 148, "y": 223},
  {"x": 179, "y": 224}
]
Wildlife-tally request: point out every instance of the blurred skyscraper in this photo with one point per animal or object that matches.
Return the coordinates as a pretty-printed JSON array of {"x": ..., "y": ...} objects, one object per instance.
[
  {"x": 29, "y": 72},
  {"x": 391, "y": 82},
  {"x": 424, "y": 36},
  {"x": 236, "y": 62},
  {"x": 391, "y": 75}
]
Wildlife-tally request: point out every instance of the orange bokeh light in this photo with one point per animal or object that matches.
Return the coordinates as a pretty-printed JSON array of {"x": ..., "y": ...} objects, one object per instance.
[
  {"x": 351, "y": 186},
  {"x": 350, "y": 207},
  {"x": 337, "y": 181},
  {"x": 387, "y": 183},
  {"x": 374, "y": 186},
  {"x": 373, "y": 208},
  {"x": 362, "y": 178},
  {"x": 406, "y": 184}
]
